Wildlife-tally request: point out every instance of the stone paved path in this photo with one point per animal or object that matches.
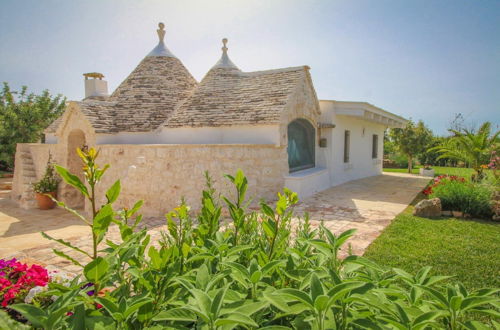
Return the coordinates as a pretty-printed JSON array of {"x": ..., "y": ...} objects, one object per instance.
[{"x": 367, "y": 204}]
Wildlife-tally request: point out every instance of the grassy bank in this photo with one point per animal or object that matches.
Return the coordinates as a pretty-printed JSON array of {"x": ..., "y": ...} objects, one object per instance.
[
  {"x": 438, "y": 170},
  {"x": 466, "y": 249}
]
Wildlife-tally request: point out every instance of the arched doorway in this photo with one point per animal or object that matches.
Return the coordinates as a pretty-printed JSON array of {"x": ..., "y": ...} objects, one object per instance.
[
  {"x": 301, "y": 145},
  {"x": 76, "y": 139}
]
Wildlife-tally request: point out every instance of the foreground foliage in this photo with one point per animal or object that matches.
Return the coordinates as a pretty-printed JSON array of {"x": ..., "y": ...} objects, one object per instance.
[{"x": 258, "y": 272}]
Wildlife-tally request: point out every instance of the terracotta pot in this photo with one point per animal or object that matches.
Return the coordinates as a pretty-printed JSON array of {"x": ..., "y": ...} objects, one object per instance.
[{"x": 44, "y": 202}]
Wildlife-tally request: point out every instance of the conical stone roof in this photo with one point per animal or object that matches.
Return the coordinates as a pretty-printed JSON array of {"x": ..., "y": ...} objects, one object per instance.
[{"x": 148, "y": 96}]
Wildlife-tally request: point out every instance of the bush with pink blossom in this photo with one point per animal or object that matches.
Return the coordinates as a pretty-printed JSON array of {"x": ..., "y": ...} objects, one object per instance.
[{"x": 17, "y": 279}]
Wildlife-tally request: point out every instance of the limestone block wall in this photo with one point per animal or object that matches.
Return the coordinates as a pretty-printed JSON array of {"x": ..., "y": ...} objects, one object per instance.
[
  {"x": 303, "y": 103},
  {"x": 162, "y": 174}
]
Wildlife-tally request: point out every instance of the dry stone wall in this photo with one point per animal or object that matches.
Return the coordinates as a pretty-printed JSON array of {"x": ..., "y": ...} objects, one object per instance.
[{"x": 163, "y": 174}]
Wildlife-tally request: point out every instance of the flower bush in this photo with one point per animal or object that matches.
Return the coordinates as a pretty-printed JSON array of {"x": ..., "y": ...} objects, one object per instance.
[
  {"x": 260, "y": 272},
  {"x": 440, "y": 180},
  {"x": 50, "y": 180},
  {"x": 458, "y": 194},
  {"x": 17, "y": 279}
]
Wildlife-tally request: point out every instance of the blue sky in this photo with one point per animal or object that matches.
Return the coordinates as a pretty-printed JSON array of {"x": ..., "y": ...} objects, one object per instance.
[{"x": 422, "y": 59}]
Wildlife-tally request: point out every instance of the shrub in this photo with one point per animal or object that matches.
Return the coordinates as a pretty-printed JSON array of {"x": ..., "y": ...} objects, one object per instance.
[
  {"x": 258, "y": 272},
  {"x": 457, "y": 194},
  {"x": 400, "y": 160},
  {"x": 50, "y": 180}
]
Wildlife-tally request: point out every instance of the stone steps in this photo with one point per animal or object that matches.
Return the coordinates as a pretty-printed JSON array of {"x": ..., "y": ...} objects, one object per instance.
[
  {"x": 29, "y": 173},
  {"x": 27, "y": 199}
]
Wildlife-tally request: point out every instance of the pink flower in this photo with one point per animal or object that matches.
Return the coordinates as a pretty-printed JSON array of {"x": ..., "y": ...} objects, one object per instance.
[{"x": 17, "y": 279}]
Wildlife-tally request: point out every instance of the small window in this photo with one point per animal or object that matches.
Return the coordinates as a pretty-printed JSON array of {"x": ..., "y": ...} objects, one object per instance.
[
  {"x": 301, "y": 137},
  {"x": 347, "y": 145},
  {"x": 375, "y": 146}
]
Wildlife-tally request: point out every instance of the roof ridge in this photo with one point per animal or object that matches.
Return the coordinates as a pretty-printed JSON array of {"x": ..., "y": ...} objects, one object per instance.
[{"x": 287, "y": 69}]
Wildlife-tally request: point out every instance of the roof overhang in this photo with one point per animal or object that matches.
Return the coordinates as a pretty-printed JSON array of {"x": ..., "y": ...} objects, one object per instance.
[{"x": 368, "y": 112}]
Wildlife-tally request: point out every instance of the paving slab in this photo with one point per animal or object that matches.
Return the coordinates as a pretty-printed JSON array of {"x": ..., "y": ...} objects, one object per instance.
[{"x": 368, "y": 204}]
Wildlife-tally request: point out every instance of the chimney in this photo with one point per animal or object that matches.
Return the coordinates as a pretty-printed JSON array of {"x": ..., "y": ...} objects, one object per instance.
[{"x": 95, "y": 87}]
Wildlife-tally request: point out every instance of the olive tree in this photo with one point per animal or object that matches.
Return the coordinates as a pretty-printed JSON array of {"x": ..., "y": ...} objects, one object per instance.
[{"x": 411, "y": 140}]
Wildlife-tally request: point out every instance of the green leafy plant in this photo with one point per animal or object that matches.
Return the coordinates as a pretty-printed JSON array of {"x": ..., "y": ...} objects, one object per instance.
[
  {"x": 50, "y": 180},
  {"x": 467, "y": 197},
  {"x": 260, "y": 271}
]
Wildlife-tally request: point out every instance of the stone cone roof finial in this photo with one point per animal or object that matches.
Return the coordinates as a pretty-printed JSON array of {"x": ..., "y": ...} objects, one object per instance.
[
  {"x": 161, "y": 49},
  {"x": 224, "y": 61},
  {"x": 161, "y": 31},
  {"x": 224, "y": 47}
]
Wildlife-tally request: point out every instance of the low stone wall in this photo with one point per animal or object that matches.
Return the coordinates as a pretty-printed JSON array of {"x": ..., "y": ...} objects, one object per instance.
[{"x": 162, "y": 174}]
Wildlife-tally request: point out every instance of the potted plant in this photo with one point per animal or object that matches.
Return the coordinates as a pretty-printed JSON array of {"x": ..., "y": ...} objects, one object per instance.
[
  {"x": 47, "y": 187},
  {"x": 427, "y": 170}
]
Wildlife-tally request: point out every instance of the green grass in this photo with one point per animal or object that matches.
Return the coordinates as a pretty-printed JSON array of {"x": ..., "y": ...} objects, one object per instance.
[
  {"x": 438, "y": 170},
  {"x": 466, "y": 249}
]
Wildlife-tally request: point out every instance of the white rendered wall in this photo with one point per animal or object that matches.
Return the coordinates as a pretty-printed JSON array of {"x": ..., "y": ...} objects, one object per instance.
[
  {"x": 361, "y": 164},
  {"x": 268, "y": 134}
]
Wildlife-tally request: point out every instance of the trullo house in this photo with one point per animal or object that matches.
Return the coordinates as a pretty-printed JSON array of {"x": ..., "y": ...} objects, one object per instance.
[{"x": 160, "y": 130}]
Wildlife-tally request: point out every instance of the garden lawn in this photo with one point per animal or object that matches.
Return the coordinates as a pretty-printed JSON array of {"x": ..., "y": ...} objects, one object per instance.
[
  {"x": 467, "y": 249},
  {"x": 438, "y": 170}
]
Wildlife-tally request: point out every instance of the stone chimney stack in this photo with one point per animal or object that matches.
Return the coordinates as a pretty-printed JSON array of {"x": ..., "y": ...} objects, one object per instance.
[{"x": 95, "y": 87}]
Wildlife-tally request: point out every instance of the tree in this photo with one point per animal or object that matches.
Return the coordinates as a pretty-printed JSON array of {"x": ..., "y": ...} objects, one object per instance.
[
  {"x": 23, "y": 117},
  {"x": 431, "y": 156},
  {"x": 470, "y": 146},
  {"x": 411, "y": 140}
]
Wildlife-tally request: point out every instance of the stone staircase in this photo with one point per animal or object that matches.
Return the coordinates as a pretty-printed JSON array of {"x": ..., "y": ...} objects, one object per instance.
[{"x": 28, "y": 177}]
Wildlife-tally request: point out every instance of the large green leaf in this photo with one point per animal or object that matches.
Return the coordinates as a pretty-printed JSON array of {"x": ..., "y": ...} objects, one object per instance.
[
  {"x": 251, "y": 308},
  {"x": 67, "y": 257},
  {"x": 96, "y": 270},
  {"x": 236, "y": 318},
  {"x": 103, "y": 219},
  {"x": 136, "y": 305},
  {"x": 297, "y": 295},
  {"x": 175, "y": 314},
  {"x": 256, "y": 276},
  {"x": 113, "y": 192},
  {"x": 425, "y": 318},
  {"x": 217, "y": 301},
  {"x": 203, "y": 301},
  {"x": 65, "y": 243},
  {"x": 277, "y": 301},
  {"x": 72, "y": 179},
  {"x": 316, "y": 287},
  {"x": 35, "y": 315}
]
